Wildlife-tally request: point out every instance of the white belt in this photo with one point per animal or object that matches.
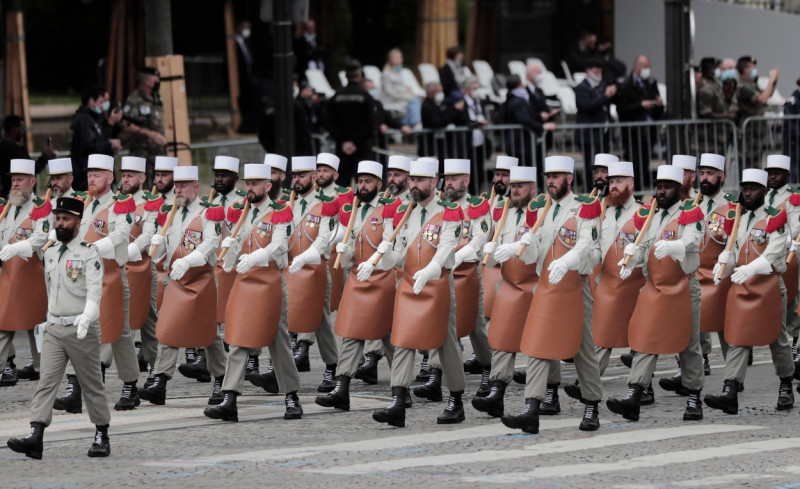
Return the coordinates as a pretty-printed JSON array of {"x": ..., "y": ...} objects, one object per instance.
[{"x": 62, "y": 320}]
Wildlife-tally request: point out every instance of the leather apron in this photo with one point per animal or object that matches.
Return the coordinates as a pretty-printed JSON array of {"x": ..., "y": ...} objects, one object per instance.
[
  {"x": 615, "y": 299},
  {"x": 188, "y": 317},
  {"x": 491, "y": 277},
  {"x": 366, "y": 309},
  {"x": 225, "y": 279},
  {"x": 714, "y": 297},
  {"x": 792, "y": 273},
  {"x": 554, "y": 324},
  {"x": 306, "y": 288},
  {"x": 466, "y": 282},
  {"x": 140, "y": 277},
  {"x": 254, "y": 307},
  {"x": 112, "y": 304},
  {"x": 421, "y": 321},
  {"x": 662, "y": 320},
  {"x": 337, "y": 281},
  {"x": 22, "y": 288}
]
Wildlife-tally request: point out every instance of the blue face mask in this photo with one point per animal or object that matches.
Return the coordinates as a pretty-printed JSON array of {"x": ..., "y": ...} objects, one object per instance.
[
  {"x": 397, "y": 67},
  {"x": 97, "y": 110},
  {"x": 106, "y": 106},
  {"x": 754, "y": 73},
  {"x": 374, "y": 93}
]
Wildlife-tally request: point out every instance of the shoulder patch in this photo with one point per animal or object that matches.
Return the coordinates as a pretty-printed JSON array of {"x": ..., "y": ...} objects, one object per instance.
[
  {"x": 641, "y": 216},
  {"x": 449, "y": 205},
  {"x": 537, "y": 202},
  {"x": 241, "y": 193},
  {"x": 124, "y": 204},
  {"x": 478, "y": 207},
  {"x": 398, "y": 216},
  {"x": 590, "y": 208}
]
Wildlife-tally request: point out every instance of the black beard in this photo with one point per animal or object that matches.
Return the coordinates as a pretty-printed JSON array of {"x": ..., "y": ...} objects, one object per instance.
[
  {"x": 223, "y": 189},
  {"x": 303, "y": 190},
  {"x": 500, "y": 188},
  {"x": 323, "y": 183},
  {"x": 368, "y": 195},
  {"x": 256, "y": 198},
  {"x": 668, "y": 203},
  {"x": 134, "y": 188},
  {"x": 708, "y": 188},
  {"x": 560, "y": 191},
  {"x": 752, "y": 205},
  {"x": 521, "y": 202},
  {"x": 65, "y": 235},
  {"x": 419, "y": 195},
  {"x": 454, "y": 194},
  {"x": 600, "y": 184},
  {"x": 396, "y": 188},
  {"x": 166, "y": 189}
]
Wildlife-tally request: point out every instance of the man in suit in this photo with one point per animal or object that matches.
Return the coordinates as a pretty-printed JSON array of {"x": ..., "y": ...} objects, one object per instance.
[
  {"x": 593, "y": 97},
  {"x": 637, "y": 101},
  {"x": 309, "y": 50}
]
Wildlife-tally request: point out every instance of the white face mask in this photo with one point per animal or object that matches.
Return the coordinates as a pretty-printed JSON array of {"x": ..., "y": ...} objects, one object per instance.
[
  {"x": 594, "y": 78},
  {"x": 245, "y": 33},
  {"x": 439, "y": 98},
  {"x": 644, "y": 74}
]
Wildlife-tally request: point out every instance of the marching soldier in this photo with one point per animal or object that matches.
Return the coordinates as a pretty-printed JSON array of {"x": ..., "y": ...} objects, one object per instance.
[
  {"x": 424, "y": 307},
  {"x": 309, "y": 248},
  {"x": 23, "y": 232},
  {"x": 61, "y": 178},
  {"x": 145, "y": 118},
  {"x": 397, "y": 183},
  {"x": 757, "y": 259},
  {"x": 467, "y": 278},
  {"x": 277, "y": 165},
  {"x": 164, "y": 168},
  {"x": 365, "y": 312},
  {"x": 564, "y": 241},
  {"x": 256, "y": 309},
  {"x": 107, "y": 225},
  {"x": 519, "y": 278},
  {"x": 188, "y": 314},
  {"x": 73, "y": 277},
  {"x": 666, "y": 319}
]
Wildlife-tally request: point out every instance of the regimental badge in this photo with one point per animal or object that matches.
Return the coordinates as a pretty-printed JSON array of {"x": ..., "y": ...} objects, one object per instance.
[
  {"x": 624, "y": 239},
  {"x": 332, "y": 223},
  {"x": 716, "y": 223},
  {"x": 21, "y": 234},
  {"x": 192, "y": 239},
  {"x": 313, "y": 221},
  {"x": 758, "y": 236},
  {"x": 74, "y": 269},
  {"x": 669, "y": 234},
  {"x": 568, "y": 236},
  {"x": 594, "y": 233},
  {"x": 484, "y": 226},
  {"x": 431, "y": 232},
  {"x": 465, "y": 227},
  {"x": 45, "y": 226},
  {"x": 521, "y": 231},
  {"x": 99, "y": 225},
  {"x": 374, "y": 223},
  {"x": 263, "y": 229},
  {"x": 229, "y": 226},
  {"x": 218, "y": 228}
]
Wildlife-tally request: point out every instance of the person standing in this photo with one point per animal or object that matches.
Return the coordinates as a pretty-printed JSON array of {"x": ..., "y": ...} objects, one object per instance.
[
  {"x": 145, "y": 119},
  {"x": 89, "y": 135},
  {"x": 593, "y": 98}
]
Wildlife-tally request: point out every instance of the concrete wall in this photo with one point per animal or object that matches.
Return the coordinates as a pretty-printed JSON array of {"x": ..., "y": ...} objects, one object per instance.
[{"x": 721, "y": 30}]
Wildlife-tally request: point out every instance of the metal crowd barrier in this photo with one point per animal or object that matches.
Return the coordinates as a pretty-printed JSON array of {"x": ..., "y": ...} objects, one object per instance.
[{"x": 766, "y": 135}]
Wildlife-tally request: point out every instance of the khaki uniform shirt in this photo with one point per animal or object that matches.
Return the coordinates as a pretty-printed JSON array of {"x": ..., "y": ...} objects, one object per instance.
[
  {"x": 72, "y": 277},
  {"x": 326, "y": 224},
  {"x": 587, "y": 232},
  {"x": 278, "y": 246},
  {"x": 209, "y": 240},
  {"x": 448, "y": 235},
  {"x": 690, "y": 235}
]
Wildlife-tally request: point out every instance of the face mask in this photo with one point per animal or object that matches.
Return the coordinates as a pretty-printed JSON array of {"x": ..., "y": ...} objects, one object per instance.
[
  {"x": 439, "y": 98},
  {"x": 374, "y": 93},
  {"x": 106, "y": 106},
  {"x": 594, "y": 78},
  {"x": 754, "y": 73},
  {"x": 644, "y": 74},
  {"x": 97, "y": 110},
  {"x": 397, "y": 68},
  {"x": 717, "y": 74},
  {"x": 245, "y": 33}
]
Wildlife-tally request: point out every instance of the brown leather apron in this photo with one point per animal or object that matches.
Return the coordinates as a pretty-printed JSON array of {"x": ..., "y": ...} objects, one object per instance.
[
  {"x": 254, "y": 307},
  {"x": 753, "y": 315},
  {"x": 23, "y": 295},
  {"x": 490, "y": 276},
  {"x": 662, "y": 320},
  {"x": 140, "y": 277},
  {"x": 466, "y": 282},
  {"x": 712, "y": 313},
  {"x": 512, "y": 302},
  {"x": 337, "y": 281},
  {"x": 306, "y": 288},
  {"x": 112, "y": 304},
  {"x": 593, "y": 277},
  {"x": 615, "y": 299},
  {"x": 163, "y": 277},
  {"x": 792, "y": 273},
  {"x": 225, "y": 279},
  {"x": 554, "y": 324},
  {"x": 420, "y": 321},
  {"x": 188, "y": 316},
  {"x": 366, "y": 309}
]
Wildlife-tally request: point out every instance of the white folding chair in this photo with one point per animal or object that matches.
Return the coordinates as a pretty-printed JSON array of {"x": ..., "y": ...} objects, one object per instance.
[
  {"x": 342, "y": 78},
  {"x": 317, "y": 80},
  {"x": 429, "y": 73},
  {"x": 411, "y": 82},
  {"x": 567, "y": 98},
  {"x": 374, "y": 74},
  {"x": 516, "y": 67}
]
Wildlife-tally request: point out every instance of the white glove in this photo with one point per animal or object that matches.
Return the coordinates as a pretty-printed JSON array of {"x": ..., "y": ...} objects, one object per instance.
[
  {"x": 488, "y": 248},
  {"x": 105, "y": 248},
  {"x": 366, "y": 268},
  {"x": 432, "y": 271},
  {"x": 675, "y": 249},
  {"x": 527, "y": 239},
  {"x": 715, "y": 273},
  {"x": 558, "y": 268},
  {"x": 156, "y": 240},
  {"x": 384, "y": 247},
  {"x": 51, "y": 236},
  {"x": 134, "y": 254},
  {"x": 20, "y": 248},
  {"x": 227, "y": 242},
  {"x": 758, "y": 266},
  {"x": 624, "y": 272},
  {"x": 181, "y": 265},
  {"x": 341, "y": 248},
  {"x": 346, "y": 252},
  {"x": 465, "y": 254},
  {"x": 724, "y": 257},
  {"x": 91, "y": 311},
  {"x": 504, "y": 252},
  {"x": 258, "y": 258},
  {"x": 794, "y": 246},
  {"x": 308, "y": 257}
]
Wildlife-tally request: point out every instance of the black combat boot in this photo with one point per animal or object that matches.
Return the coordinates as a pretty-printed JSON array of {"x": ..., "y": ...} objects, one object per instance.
[
  {"x": 102, "y": 445},
  {"x": 28, "y": 372},
  {"x": 629, "y": 406},
  {"x": 157, "y": 392},
  {"x": 251, "y": 366},
  {"x": 550, "y": 406},
  {"x": 301, "y": 356},
  {"x": 395, "y": 412},
  {"x": 339, "y": 397},
  {"x": 728, "y": 402},
  {"x": 706, "y": 366},
  {"x": 573, "y": 390},
  {"x": 293, "y": 408},
  {"x": 216, "y": 393},
  {"x": 424, "y": 373},
  {"x": 785, "y": 394},
  {"x": 472, "y": 365},
  {"x": 432, "y": 390},
  {"x": 493, "y": 403},
  {"x": 694, "y": 407},
  {"x": 454, "y": 411},
  {"x": 140, "y": 357},
  {"x": 627, "y": 358},
  {"x": 368, "y": 371},
  {"x": 648, "y": 396},
  {"x": 267, "y": 381},
  {"x": 32, "y": 445},
  {"x": 484, "y": 389},
  {"x": 9, "y": 375},
  {"x": 674, "y": 384},
  {"x": 150, "y": 378},
  {"x": 129, "y": 399},
  {"x": 71, "y": 402},
  {"x": 225, "y": 410},
  {"x": 526, "y": 420},
  {"x": 591, "y": 417},
  {"x": 197, "y": 369},
  {"x": 520, "y": 376},
  {"x": 328, "y": 382},
  {"x": 191, "y": 355}
]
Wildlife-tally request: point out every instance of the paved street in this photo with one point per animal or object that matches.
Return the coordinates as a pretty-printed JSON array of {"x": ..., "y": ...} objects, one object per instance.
[{"x": 176, "y": 446}]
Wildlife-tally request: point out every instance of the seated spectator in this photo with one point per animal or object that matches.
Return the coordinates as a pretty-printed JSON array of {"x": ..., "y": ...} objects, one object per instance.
[
  {"x": 518, "y": 110},
  {"x": 438, "y": 115},
  {"x": 452, "y": 73},
  {"x": 396, "y": 95}
]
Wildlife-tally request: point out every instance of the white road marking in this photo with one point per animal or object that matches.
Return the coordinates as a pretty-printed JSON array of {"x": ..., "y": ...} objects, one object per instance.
[{"x": 729, "y": 480}]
